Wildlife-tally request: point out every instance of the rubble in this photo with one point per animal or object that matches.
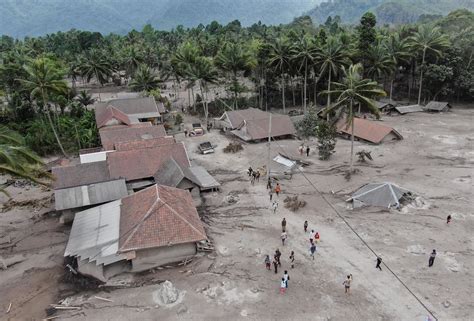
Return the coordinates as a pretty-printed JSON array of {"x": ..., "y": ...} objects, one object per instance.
[
  {"x": 293, "y": 203},
  {"x": 233, "y": 148}
]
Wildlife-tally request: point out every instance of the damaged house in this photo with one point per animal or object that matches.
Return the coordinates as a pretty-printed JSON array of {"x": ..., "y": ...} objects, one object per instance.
[
  {"x": 156, "y": 226},
  {"x": 369, "y": 131}
]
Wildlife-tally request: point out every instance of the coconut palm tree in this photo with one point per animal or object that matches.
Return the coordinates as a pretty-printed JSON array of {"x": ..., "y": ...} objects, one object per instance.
[
  {"x": 95, "y": 65},
  {"x": 427, "y": 40},
  {"x": 354, "y": 90},
  {"x": 184, "y": 57},
  {"x": 16, "y": 159},
  {"x": 398, "y": 50},
  {"x": 144, "y": 79},
  {"x": 279, "y": 59},
  {"x": 131, "y": 58},
  {"x": 380, "y": 63},
  {"x": 203, "y": 73},
  {"x": 331, "y": 58},
  {"x": 304, "y": 52},
  {"x": 44, "y": 79},
  {"x": 84, "y": 98},
  {"x": 233, "y": 59}
]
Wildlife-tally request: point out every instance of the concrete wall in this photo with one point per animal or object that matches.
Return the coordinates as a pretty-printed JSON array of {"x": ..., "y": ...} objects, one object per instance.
[
  {"x": 150, "y": 258},
  {"x": 101, "y": 272}
]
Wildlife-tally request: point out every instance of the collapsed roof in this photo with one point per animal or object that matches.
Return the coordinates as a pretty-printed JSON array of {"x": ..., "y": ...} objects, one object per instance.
[
  {"x": 367, "y": 130},
  {"x": 438, "y": 106},
  {"x": 386, "y": 195}
]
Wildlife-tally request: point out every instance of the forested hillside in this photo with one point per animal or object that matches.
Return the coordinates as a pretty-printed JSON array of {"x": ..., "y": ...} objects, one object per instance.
[
  {"x": 387, "y": 11},
  {"x": 20, "y": 18}
]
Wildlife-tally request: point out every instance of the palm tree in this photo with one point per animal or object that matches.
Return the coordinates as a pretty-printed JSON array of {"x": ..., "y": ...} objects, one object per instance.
[
  {"x": 354, "y": 90},
  {"x": 184, "y": 57},
  {"x": 45, "y": 78},
  {"x": 279, "y": 59},
  {"x": 131, "y": 59},
  {"x": 84, "y": 98},
  {"x": 380, "y": 63},
  {"x": 16, "y": 159},
  {"x": 233, "y": 58},
  {"x": 398, "y": 50},
  {"x": 331, "y": 58},
  {"x": 204, "y": 73},
  {"x": 304, "y": 52},
  {"x": 427, "y": 40},
  {"x": 96, "y": 65},
  {"x": 144, "y": 79}
]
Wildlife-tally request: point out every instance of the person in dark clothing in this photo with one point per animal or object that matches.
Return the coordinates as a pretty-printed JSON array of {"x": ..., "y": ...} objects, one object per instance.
[
  {"x": 286, "y": 277},
  {"x": 305, "y": 226},
  {"x": 448, "y": 219},
  {"x": 432, "y": 258},
  {"x": 277, "y": 256},
  {"x": 379, "y": 261},
  {"x": 185, "y": 133},
  {"x": 292, "y": 259},
  {"x": 257, "y": 176},
  {"x": 307, "y": 151},
  {"x": 283, "y": 225},
  {"x": 250, "y": 171},
  {"x": 275, "y": 265},
  {"x": 269, "y": 183}
]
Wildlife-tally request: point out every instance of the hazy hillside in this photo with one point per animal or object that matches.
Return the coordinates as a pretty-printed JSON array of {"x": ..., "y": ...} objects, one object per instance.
[
  {"x": 37, "y": 17},
  {"x": 387, "y": 11}
]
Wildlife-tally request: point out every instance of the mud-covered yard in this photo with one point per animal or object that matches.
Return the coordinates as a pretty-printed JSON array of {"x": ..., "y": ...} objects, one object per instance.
[{"x": 435, "y": 161}]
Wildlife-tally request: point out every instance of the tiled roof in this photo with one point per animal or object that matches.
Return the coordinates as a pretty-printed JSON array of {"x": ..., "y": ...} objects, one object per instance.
[
  {"x": 145, "y": 143},
  {"x": 438, "y": 106},
  {"x": 367, "y": 130},
  {"x": 144, "y": 162},
  {"x": 111, "y": 113},
  {"x": 80, "y": 174},
  {"x": 159, "y": 216},
  {"x": 144, "y": 106},
  {"x": 236, "y": 117},
  {"x": 254, "y": 129},
  {"x": 110, "y": 137}
]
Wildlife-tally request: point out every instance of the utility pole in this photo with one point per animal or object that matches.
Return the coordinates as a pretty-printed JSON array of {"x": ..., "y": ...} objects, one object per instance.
[{"x": 269, "y": 141}]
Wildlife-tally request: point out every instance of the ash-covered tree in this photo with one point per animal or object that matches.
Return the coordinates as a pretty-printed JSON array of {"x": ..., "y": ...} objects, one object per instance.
[
  {"x": 307, "y": 126},
  {"x": 366, "y": 37},
  {"x": 326, "y": 134}
]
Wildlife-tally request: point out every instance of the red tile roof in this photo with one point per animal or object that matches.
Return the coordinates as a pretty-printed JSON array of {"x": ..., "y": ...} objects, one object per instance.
[
  {"x": 146, "y": 143},
  {"x": 236, "y": 117},
  {"x": 109, "y": 114},
  {"x": 112, "y": 136},
  {"x": 370, "y": 131},
  {"x": 144, "y": 162},
  {"x": 159, "y": 216},
  {"x": 80, "y": 175}
]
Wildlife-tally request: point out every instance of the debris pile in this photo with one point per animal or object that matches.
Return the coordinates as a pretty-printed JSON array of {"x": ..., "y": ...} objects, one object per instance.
[
  {"x": 293, "y": 203},
  {"x": 167, "y": 295},
  {"x": 36, "y": 204},
  {"x": 363, "y": 156},
  {"x": 233, "y": 148},
  {"x": 232, "y": 198}
]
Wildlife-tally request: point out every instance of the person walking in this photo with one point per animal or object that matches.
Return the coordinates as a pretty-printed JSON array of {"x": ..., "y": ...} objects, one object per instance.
[
  {"x": 277, "y": 189},
  {"x": 282, "y": 286},
  {"x": 283, "y": 238},
  {"x": 278, "y": 256},
  {"x": 311, "y": 236},
  {"x": 301, "y": 149},
  {"x": 270, "y": 193},
  {"x": 305, "y": 226},
  {"x": 252, "y": 179},
  {"x": 316, "y": 237},
  {"x": 292, "y": 259},
  {"x": 275, "y": 265},
  {"x": 313, "y": 250},
  {"x": 267, "y": 262},
  {"x": 379, "y": 261},
  {"x": 347, "y": 284},
  {"x": 448, "y": 219},
  {"x": 269, "y": 183},
  {"x": 250, "y": 171},
  {"x": 432, "y": 258},
  {"x": 257, "y": 176},
  {"x": 274, "y": 206},
  {"x": 283, "y": 225},
  {"x": 286, "y": 277},
  {"x": 307, "y": 151}
]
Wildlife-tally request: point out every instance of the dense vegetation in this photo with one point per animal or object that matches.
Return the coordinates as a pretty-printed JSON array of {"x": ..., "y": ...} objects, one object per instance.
[
  {"x": 297, "y": 64},
  {"x": 387, "y": 11}
]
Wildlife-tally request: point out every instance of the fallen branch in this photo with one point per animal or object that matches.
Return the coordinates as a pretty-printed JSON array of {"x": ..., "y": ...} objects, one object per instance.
[
  {"x": 66, "y": 308},
  {"x": 9, "y": 308},
  {"x": 103, "y": 299}
]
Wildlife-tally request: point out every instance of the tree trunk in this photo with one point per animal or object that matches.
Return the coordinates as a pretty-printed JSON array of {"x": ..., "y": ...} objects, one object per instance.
[
  {"x": 283, "y": 92},
  {"x": 293, "y": 92},
  {"x": 194, "y": 99},
  {"x": 391, "y": 88},
  {"x": 51, "y": 123},
  {"x": 304, "y": 88},
  {"x": 204, "y": 105},
  {"x": 421, "y": 76},
  {"x": 351, "y": 114},
  {"x": 189, "y": 97},
  {"x": 329, "y": 95}
]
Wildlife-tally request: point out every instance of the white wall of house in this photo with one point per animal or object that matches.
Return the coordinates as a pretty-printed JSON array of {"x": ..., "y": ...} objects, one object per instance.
[
  {"x": 150, "y": 258},
  {"x": 94, "y": 157}
]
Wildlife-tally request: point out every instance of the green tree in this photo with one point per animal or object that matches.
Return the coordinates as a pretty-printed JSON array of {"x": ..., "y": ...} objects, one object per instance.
[
  {"x": 398, "y": 49},
  {"x": 144, "y": 79},
  {"x": 203, "y": 73},
  {"x": 96, "y": 65},
  {"x": 44, "y": 79},
  {"x": 233, "y": 58},
  {"x": 303, "y": 53},
  {"x": 427, "y": 40},
  {"x": 366, "y": 36},
  {"x": 354, "y": 89},
  {"x": 331, "y": 58},
  {"x": 326, "y": 134},
  {"x": 84, "y": 98},
  {"x": 16, "y": 159},
  {"x": 279, "y": 59}
]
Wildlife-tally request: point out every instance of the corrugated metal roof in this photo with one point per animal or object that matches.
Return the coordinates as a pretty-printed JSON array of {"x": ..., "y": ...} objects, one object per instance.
[
  {"x": 80, "y": 174},
  {"x": 367, "y": 130},
  {"x": 379, "y": 194},
  {"x": 200, "y": 176},
  {"x": 95, "y": 234},
  {"x": 170, "y": 174},
  {"x": 438, "y": 106},
  {"x": 255, "y": 129},
  {"x": 409, "y": 109},
  {"x": 236, "y": 117},
  {"x": 87, "y": 195}
]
